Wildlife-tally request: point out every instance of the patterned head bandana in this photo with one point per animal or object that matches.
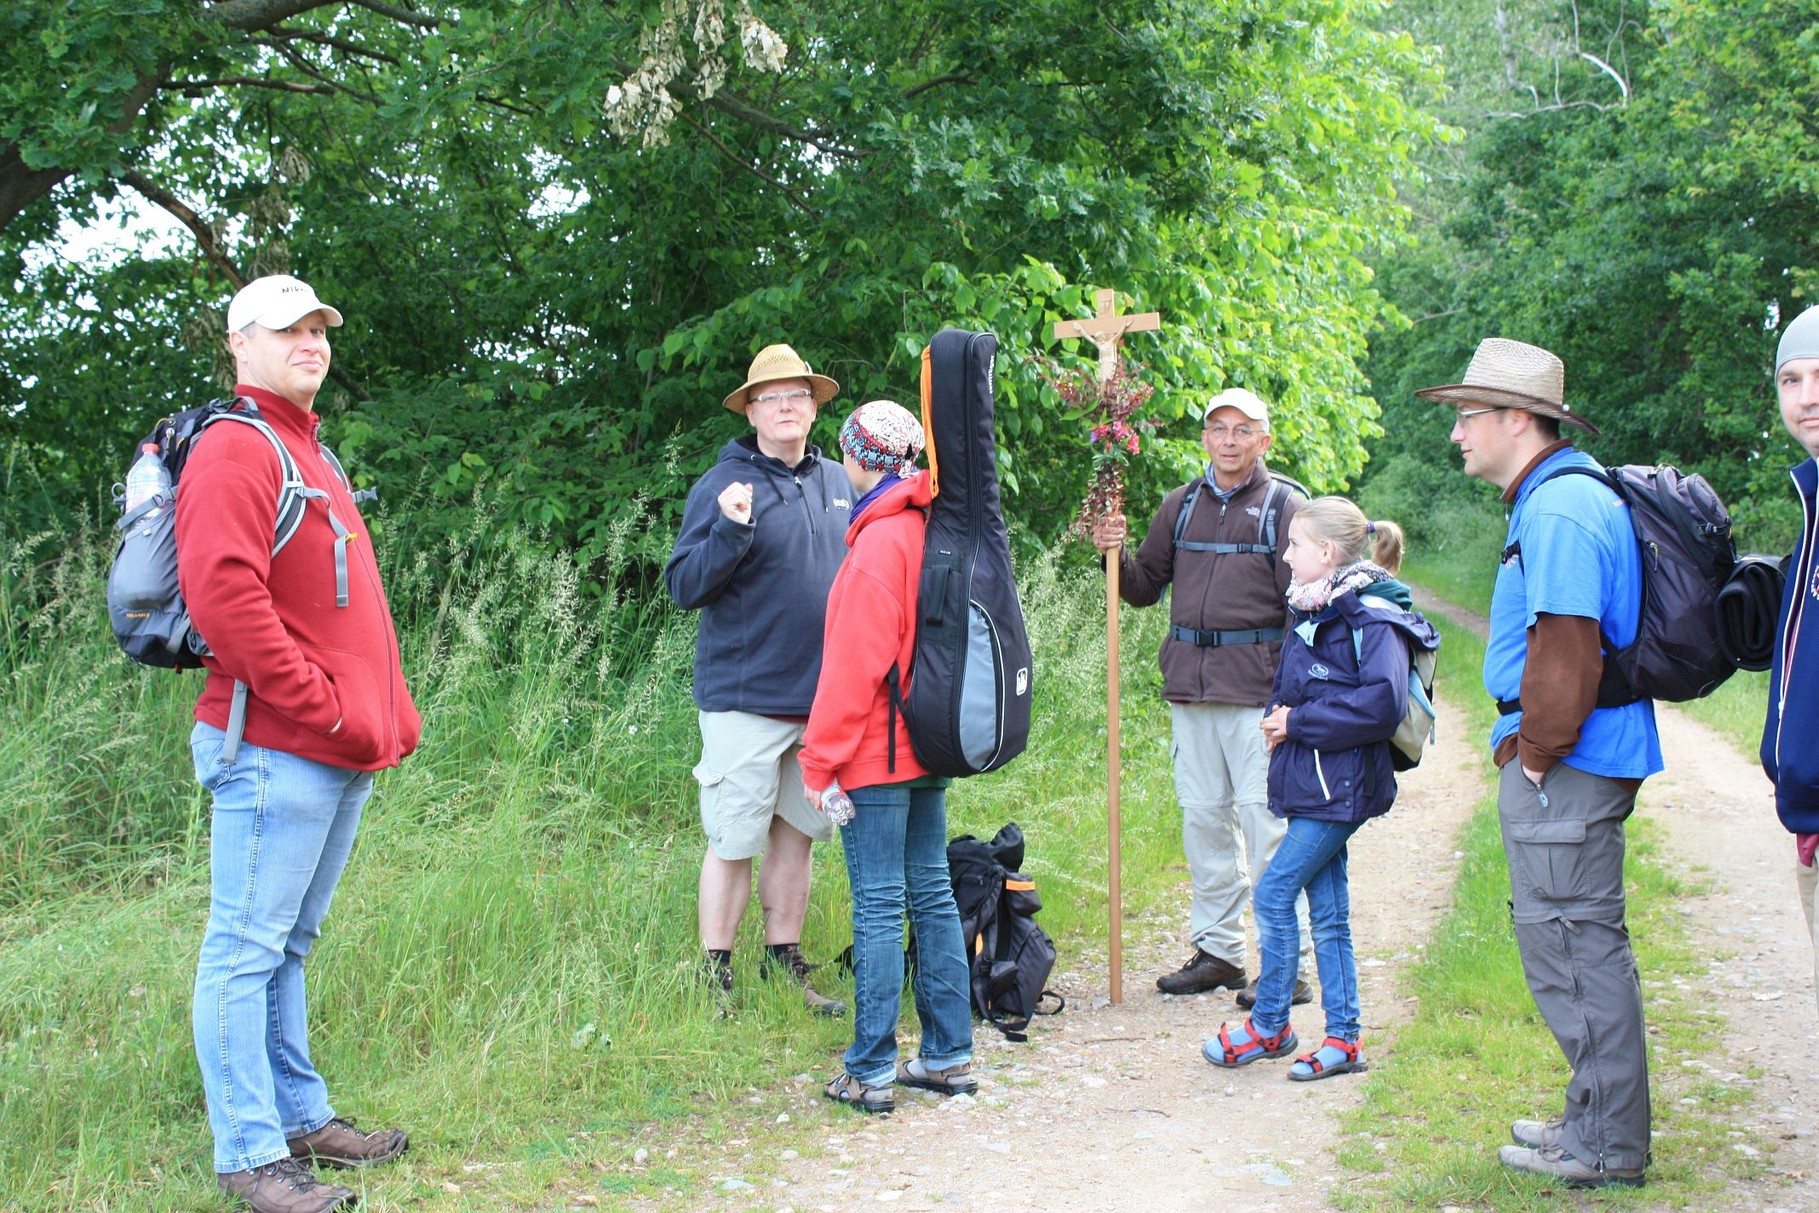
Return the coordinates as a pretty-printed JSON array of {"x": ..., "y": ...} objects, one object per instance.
[{"x": 882, "y": 436}]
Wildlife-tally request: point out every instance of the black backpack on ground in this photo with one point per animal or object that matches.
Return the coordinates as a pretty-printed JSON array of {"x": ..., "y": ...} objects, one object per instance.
[
  {"x": 1684, "y": 532},
  {"x": 144, "y": 602},
  {"x": 968, "y": 707},
  {"x": 1010, "y": 957}
]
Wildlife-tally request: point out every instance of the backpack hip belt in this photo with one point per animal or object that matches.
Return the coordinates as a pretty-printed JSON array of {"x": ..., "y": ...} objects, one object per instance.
[{"x": 1213, "y": 640}]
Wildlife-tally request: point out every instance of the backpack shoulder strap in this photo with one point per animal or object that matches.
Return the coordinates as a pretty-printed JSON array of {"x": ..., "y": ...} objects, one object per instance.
[
  {"x": 1603, "y": 477},
  {"x": 290, "y": 479},
  {"x": 360, "y": 496},
  {"x": 1266, "y": 517}
]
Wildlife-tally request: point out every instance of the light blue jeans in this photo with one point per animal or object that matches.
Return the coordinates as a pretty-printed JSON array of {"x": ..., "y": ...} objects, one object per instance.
[
  {"x": 282, "y": 830},
  {"x": 1311, "y": 857},
  {"x": 896, "y": 859}
]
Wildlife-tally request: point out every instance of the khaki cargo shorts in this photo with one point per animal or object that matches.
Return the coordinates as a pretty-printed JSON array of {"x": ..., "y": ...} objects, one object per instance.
[{"x": 748, "y": 775}]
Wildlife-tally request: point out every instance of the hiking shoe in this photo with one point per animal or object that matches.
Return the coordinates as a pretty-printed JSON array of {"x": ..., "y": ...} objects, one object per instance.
[
  {"x": 1537, "y": 1134},
  {"x": 1555, "y": 1163},
  {"x": 285, "y": 1186},
  {"x": 1201, "y": 973},
  {"x": 793, "y": 965},
  {"x": 955, "y": 1080},
  {"x": 339, "y": 1144},
  {"x": 850, "y": 1091},
  {"x": 1304, "y": 994}
]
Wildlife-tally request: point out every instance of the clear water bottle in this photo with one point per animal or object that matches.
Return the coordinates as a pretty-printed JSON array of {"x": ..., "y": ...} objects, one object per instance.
[
  {"x": 146, "y": 478},
  {"x": 836, "y": 804}
]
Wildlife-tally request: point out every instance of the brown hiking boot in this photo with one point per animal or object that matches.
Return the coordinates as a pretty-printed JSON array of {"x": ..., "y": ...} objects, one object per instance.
[
  {"x": 793, "y": 965},
  {"x": 1303, "y": 994},
  {"x": 339, "y": 1144},
  {"x": 285, "y": 1186},
  {"x": 1201, "y": 973}
]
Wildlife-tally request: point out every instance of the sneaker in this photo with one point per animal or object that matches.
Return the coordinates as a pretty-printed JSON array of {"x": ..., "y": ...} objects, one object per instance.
[
  {"x": 793, "y": 965},
  {"x": 339, "y": 1144},
  {"x": 1201, "y": 973},
  {"x": 285, "y": 1186},
  {"x": 1537, "y": 1134},
  {"x": 955, "y": 1080},
  {"x": 1555, "y": 1163},
  {"x": 1304, "y": 994},
  {"x": 850, "y": 1091}
]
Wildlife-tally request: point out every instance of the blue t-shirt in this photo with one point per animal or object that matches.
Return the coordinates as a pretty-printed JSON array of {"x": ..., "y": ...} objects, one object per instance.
[{"x": 1578, "y": 557}]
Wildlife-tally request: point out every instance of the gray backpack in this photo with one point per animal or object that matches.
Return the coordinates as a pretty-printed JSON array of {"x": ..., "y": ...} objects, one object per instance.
[{"x": 144, "y": 602}]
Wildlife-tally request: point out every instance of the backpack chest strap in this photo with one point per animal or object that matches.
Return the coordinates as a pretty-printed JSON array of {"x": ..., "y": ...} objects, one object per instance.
[{"x": 343, "y": 537}]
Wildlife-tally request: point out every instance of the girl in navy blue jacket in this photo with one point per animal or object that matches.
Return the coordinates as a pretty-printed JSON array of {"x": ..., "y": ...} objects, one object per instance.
[{"x": 1340, "y": 692}]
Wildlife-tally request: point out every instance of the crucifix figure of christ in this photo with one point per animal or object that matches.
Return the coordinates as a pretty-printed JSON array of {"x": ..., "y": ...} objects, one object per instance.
[{"x": 1106, "y": 330}]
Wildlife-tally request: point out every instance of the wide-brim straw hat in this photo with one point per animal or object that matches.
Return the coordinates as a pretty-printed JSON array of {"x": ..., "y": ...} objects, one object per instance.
[
  {"x": 1513, "y": 375},
  {"x": 781, "y": 362}
]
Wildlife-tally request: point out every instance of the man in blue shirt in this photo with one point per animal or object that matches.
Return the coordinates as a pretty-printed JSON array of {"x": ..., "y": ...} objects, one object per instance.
[{"x": 1573, "y": 750}]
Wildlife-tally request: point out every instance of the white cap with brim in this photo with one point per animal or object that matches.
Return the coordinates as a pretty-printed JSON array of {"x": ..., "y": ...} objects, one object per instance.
[
  {"x": 1801, "y": 340},
  {"x": 276, "y": 301},
  {"x": 1245, "y": 402}
]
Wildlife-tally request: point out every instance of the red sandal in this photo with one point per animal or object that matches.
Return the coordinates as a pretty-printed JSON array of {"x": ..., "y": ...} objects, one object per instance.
[
  {"x": 1254, "y": 1047},
  {"x": 1334, "y": 1056}
]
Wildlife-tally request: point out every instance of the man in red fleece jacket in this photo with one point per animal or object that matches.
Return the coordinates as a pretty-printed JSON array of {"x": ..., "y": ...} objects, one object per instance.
[{"x": 308, "y": 634}]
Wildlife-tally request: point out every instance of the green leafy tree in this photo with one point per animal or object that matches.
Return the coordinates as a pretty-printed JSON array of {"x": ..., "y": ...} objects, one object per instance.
[
  {"x": 560, "y": 232},
  {"x": 1647, "y": 216}
]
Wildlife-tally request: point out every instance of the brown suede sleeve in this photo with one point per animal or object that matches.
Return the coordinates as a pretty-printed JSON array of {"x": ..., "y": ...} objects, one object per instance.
[{"x": 1559, "y": 687}]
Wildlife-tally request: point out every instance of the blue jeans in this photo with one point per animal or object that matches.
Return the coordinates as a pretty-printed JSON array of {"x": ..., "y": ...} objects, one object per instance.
[
  {"x": 282, "y": 830},
  {"x": 1311, "y": 858},
  {"x": 896, "y": 859}
]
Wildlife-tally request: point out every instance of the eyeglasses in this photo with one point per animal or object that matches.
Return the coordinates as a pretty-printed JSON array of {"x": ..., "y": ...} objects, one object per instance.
[
  {"x": 796, "y": 395},
  {"x": 1243, "y": 433},
  {"x": 1462, "y": 414}
]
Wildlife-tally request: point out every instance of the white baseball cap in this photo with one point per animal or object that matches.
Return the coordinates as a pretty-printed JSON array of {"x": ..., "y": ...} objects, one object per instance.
[
  {"x": 276, "y": 301},
  {"x": 1245, "y": 402}
]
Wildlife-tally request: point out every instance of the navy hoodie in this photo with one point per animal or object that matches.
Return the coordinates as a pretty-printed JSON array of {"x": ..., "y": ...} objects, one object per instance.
[
  {"x": 761, "y": 587},
  {"x": 1790, "y": 735},
  {"x": 1343, "y": 708}
]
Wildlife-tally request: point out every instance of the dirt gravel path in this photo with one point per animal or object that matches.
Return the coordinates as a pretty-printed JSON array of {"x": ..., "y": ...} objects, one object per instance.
[{"x": 1111, "y": 1108}]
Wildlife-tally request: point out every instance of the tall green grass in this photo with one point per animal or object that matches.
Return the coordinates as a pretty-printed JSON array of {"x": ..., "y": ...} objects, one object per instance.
[{"x": 508, "y": 969}]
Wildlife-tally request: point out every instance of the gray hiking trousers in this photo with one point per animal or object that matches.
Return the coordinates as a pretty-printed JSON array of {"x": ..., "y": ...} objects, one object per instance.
[{"x": 1564, "y": 842}]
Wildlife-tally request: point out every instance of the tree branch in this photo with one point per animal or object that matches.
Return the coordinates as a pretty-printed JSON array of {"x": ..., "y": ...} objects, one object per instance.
[
  {"x": 404, "y": 16},
  {"x": 195, "y": 88},
  {"x": 937, "y": 82},
  {"x": 340, "y": 44},
  {"x": 789, "y": 194},
  {"x": 204, "y": 234}
]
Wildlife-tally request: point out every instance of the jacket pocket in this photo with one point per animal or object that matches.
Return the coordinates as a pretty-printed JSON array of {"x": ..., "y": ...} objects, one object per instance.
[{"x": 365, "y": 733}]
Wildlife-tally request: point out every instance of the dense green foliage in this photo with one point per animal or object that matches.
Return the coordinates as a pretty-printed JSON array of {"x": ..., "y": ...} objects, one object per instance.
[
  {"x": 548, "y": 279},
  {"x": 1655, "y": 234}
]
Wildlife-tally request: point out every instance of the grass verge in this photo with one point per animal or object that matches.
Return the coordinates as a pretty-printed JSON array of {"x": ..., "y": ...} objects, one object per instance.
[{"x": 1477, "y": 1054}]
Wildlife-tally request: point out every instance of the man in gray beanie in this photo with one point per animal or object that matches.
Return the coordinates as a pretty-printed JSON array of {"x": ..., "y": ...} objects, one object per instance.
[{"x": 1790, "y": 735}]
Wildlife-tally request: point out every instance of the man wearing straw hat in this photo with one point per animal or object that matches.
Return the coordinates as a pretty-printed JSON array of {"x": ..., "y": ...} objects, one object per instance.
[
  {"x": 1572, "y": 759},
  {"x": 1790, "y": 734},
  {"x": 762, "y": 535}
]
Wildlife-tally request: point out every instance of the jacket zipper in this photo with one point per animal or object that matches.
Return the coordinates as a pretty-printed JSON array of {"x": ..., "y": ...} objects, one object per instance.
[
  {"x": 1320, "y": 771},
  {"x": 807, "y": 513},
  {"x": 1796, "y": 613}
]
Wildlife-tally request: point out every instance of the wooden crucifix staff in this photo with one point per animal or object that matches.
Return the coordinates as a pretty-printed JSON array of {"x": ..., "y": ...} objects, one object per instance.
[{"x": 1106, "y": 330}]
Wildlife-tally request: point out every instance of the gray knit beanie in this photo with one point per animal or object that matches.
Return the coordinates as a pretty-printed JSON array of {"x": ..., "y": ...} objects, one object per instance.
[{"x": 1801, "y": 340}]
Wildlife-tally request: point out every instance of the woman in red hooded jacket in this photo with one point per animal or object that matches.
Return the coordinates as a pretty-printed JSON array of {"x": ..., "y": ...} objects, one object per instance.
[{"x": 896, "y": 840}]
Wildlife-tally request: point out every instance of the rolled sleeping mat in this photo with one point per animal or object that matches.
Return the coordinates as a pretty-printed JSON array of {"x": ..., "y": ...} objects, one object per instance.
[{"x": 1748, "y": 606}]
